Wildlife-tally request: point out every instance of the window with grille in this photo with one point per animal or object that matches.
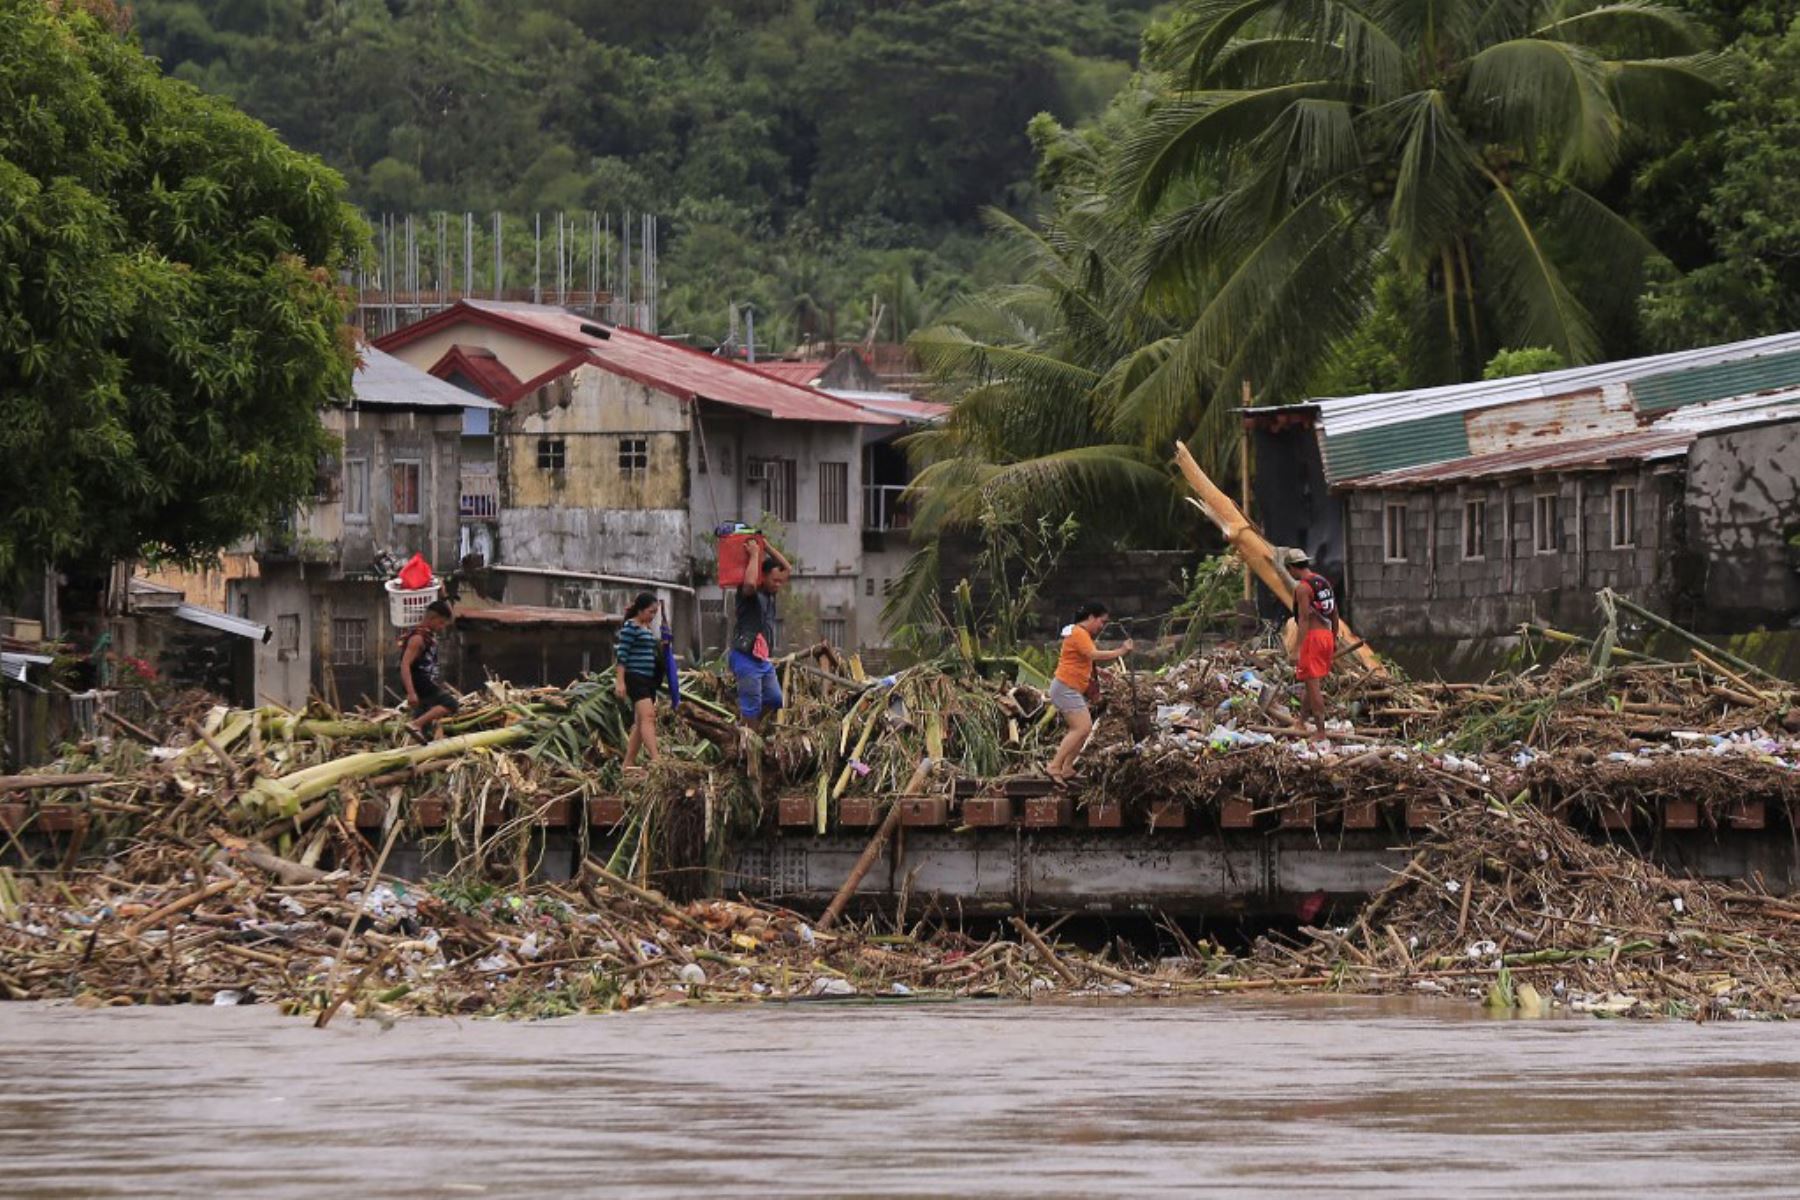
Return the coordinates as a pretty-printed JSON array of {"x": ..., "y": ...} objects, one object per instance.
[
  {"x": 408, "y": 489},
  {"x": 287, "y": 636},
  {"x": 349, "y": 641},
  {"x": 834, "y": 630},
  {"x": 1624, "y": 518},
  {"x": 1474, "y": 529},
  {"x": 1546, "y": 536},
  {"x": 356, "y": 489},
  {"x": 1393, "y": 532},
  {"x": 634, "y": 457},
  {"x": 552, "y": 454},
  {"x": 834, "y": 493},
  {"x": 869, "y": 586},
  {"x": 779, "y": 478}
]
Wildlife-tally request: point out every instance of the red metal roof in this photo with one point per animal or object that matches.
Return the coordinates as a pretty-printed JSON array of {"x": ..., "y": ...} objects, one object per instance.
[
  {"x": 479, "y": 366},
  {"x": 802, "y": 373},
  {"x": 655, "y": 362},
  {"x": 1584, "y": 454}
]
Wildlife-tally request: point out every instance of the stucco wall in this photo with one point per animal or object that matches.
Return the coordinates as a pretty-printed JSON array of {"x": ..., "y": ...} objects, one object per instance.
[
  {"x": 380, "y": 439},
  {"x": 591, "y": 516},
  {"x": 1743, "y": 515},
  {"x": 1438, "y": 592},
  {"x": 525, "y": 357}
]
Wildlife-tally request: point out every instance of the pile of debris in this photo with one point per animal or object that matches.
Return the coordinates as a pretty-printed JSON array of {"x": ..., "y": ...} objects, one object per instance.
[
  {"x": 229, "y": 932},
  {"x": 1512, "y": 905},
  {"x": 247, "y": 855}
]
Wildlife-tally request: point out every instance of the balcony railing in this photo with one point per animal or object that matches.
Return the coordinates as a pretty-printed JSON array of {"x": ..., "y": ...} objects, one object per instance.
[
  {"x": 480, "y": 493},
  {"x": 885, "y": 508}
]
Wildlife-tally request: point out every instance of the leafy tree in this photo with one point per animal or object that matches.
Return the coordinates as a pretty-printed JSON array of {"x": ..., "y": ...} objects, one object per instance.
[
  {"x": 170, "y": 323},
  {"x": 1313, "y": 145},
  {"x": 1532, "y": 360},
  {"x": 1733, "y": 198}
]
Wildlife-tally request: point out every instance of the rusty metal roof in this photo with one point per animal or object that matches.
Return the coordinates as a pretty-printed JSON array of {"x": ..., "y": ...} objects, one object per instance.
[
  {"x": 1391, "y": 431},
  {"x": 1587, "y": 454},
  {"x": 679, "y": 370}
]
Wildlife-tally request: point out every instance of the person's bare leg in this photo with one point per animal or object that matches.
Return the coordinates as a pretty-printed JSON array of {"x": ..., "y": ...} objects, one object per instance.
[
  {"x": 1315, "y": 703},
  {"x": 645, "y": 730},
  {"x": 429, "y": 720},
  {"x": 631, "y": 746},
  {"x": 1063, "y": 762}
]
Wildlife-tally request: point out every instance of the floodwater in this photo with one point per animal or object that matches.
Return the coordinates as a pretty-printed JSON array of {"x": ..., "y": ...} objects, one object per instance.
[{"x": 1319, "y": 1097}]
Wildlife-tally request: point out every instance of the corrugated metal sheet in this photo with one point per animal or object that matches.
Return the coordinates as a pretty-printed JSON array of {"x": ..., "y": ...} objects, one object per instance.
[
  {"x": 383, "y": 381},
  {"x": 679, "y": 370},
  {"x": 1765, "y": 372},
  {"x": 1556, "y": 419},
  {"x": 1735, "y": 410},
  {"x": 223, "y": 622},
  {"x": 17, "y": 667},
  {"x": 1367, "y": 451},
  {"x": 1583, "y": 454},
  {"x": 1379, "y": 409}
]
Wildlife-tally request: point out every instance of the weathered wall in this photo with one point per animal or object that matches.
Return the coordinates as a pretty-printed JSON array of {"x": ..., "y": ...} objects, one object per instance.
[
  {"x": 1743, "y": 518},
  {"x": 283, "y": 672},
  {"x": 591, "y": 516},
  {"x": 382, "y": 439},
  {"x": 1437, "y": 592},
  {"x": 525, "y": 357},
  {"x": 209, "y": 586},
  {"x": 827, "y": 558}
]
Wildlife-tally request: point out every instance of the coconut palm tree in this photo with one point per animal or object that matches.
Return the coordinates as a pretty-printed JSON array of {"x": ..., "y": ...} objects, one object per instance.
[{"x": 1313, "y": 144}]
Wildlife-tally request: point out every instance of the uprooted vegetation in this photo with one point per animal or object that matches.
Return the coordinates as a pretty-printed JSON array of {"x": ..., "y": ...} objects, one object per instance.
[{"x": 247, "y": 857}]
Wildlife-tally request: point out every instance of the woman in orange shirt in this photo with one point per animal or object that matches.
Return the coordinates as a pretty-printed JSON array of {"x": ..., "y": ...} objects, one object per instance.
[{"x": 1068, "y": 690}]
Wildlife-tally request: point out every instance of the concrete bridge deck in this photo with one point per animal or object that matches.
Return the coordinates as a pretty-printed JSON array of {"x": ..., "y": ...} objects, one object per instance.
[{"x": 1002, "y": 848}]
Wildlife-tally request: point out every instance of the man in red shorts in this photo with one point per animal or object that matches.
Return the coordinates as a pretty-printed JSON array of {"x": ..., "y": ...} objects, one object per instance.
[{"x": 1316, "y": 614}]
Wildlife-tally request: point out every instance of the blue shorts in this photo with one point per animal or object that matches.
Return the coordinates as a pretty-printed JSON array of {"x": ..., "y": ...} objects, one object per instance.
[{"x": 758, "y": 689}]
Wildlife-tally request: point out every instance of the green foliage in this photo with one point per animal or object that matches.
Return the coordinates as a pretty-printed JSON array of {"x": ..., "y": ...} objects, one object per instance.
[
  {"x": 1731, "y": 200},
  {"x": 170, "y": 324},
  {"x": 1304, "y": 148},
  {"x": 1529, "y": 361},
  {"x": 805, "y": 154}
]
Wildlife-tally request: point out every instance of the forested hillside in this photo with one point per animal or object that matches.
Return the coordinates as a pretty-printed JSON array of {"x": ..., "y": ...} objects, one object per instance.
[{"x": 804, "y": 154}]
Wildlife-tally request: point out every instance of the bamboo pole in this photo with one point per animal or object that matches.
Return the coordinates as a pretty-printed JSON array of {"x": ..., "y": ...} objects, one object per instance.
[
  {"x": 1254, "y": 549},
  {"x": 1694, "y": 640}
]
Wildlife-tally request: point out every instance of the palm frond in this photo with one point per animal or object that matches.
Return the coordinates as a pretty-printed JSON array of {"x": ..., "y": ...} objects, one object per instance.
[
  {"x": 1199, "y": 129},
  {"x": 1663, "y": 98},
  {"x": 1529, "y": 292},
  {"x": 1436, "y": 179},
  {"x": 1628, "y": 28},
  {"x": 1532, "y": 93}
]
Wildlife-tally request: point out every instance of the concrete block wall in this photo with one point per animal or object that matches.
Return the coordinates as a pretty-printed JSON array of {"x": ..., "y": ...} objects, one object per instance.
[{"x": 1438, "y": 592}]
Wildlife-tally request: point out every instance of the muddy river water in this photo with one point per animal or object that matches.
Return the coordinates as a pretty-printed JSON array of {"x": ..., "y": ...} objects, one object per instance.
[{"x": 1315, "y": 1097}]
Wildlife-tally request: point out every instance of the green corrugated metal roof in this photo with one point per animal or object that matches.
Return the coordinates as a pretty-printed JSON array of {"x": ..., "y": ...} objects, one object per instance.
[
  {"x": 1436, "y": 438},
  {"x": 1661, "y": 393}
]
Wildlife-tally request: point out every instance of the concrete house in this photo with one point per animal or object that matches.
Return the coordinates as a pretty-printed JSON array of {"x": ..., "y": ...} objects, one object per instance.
[
  {"x": 886, "y": 473},
  {"x": 1463, "y": 512},
  {"x": 395, "y": 487},
  {"x": 619, "y": 454}
]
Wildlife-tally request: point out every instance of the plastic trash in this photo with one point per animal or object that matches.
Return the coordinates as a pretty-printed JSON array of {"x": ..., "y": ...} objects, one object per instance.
[
  {"x": 416, "y": 574},
  {"x": 227, "y": 998},
  {"x": 829, "y": 986},
  {"x": 693, "y": 974}
]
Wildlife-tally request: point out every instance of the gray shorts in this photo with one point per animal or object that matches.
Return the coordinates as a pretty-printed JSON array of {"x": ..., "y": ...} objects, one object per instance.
[{"x": 1066, "y": 699}]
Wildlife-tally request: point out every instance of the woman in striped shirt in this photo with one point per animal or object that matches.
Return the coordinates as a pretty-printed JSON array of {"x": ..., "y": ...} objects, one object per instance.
[{"x": 638, "y": 654}]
